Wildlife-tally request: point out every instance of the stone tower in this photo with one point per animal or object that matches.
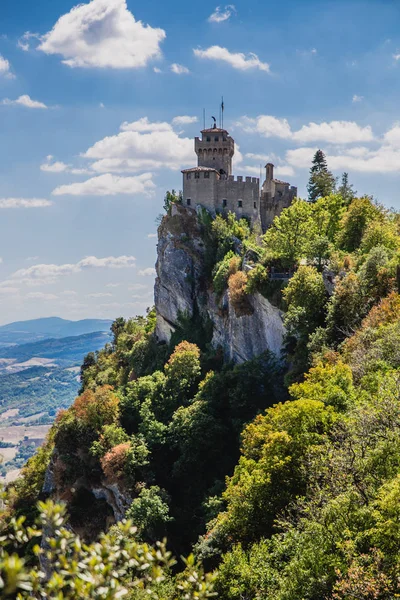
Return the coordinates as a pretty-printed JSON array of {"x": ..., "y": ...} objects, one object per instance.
[{"x": 215, "y": 150}]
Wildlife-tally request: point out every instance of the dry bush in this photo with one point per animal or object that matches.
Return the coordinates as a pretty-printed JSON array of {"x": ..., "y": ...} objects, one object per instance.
[
  {"x": 113, "y": 463},
  {"x": 237, "y": 294}
]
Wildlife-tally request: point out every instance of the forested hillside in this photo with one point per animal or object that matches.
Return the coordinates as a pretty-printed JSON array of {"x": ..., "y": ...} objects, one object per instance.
[{"x": 281, "y": 474}]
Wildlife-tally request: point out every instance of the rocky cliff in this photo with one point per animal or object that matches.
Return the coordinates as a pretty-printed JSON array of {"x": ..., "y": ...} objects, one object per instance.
[{"x": 182, "y": 288}]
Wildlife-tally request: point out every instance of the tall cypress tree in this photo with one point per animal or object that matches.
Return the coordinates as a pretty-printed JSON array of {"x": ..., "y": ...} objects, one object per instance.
[
  {"x": 321, "y": 182},
  {"x": 346, "y": 189}
]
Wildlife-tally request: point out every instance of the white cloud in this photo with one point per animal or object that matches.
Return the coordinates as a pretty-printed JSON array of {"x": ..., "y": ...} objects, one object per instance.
[
  {"x": 141, "y": 145},
  {"x": 144, "y": 125},
  {"x": 385, "y": 159},
  {"x": 113, "y": 285},
  {"x": 335, "y": 132},
  {"x": 24, "y": 41},
  {"x": 137, "y": 286},
  {"x": 5, "y": 68},
  {"x": 357, "y": 98},
  {"x": 41, "y": 296},
  {"x": 103, "y": 34},
  {"x": 396, "y": 56},
  {"x": 184, "y": 120},
  {"x": 237, "y": 60},
  {"x": 149, "y": 272},
  {"x": 392, "y": 137},
  {"x": 54, "y": 167},
  {"x": 108, "y": 185},
  {"x": 48, "y": 273},
  {"x": 100, "y": 295},
  {"x": 24, "y": 203},
  {"x": 69, "y": 293},
  {"x": 25, "y": 101},
  {"x": 284, "y": 171},
  {"x": 151, "y": 235},
  {"x": 157, "y": 70},
  {"x": 179, "y": 69},
  {"x": 266, "y": 125},
  {"x": 5, "y": 291},
  {"x": 222, "y": 14}
]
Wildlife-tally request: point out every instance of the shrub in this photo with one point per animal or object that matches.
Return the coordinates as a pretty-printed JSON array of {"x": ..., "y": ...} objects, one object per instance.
[
  {"x": 237, "y": 284},
  {"x": 113, "y": 463},
  {"x": 97, "y": 408}
]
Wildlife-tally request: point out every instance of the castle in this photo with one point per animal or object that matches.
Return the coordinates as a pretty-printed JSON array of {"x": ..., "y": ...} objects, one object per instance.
[{"x": 212, "y": 185}]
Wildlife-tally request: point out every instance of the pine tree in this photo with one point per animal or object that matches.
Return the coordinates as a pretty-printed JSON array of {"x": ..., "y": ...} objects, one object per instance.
[
  {"x": 321, "y": 182},
  {"x": 346, "y": 189}
]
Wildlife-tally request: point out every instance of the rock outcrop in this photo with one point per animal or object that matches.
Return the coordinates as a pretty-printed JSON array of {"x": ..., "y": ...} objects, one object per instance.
[{"x": 181, "y": 289}]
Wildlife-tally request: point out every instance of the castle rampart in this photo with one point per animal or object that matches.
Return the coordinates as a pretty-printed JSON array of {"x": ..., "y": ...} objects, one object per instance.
[{"x": 212, "y": 185}]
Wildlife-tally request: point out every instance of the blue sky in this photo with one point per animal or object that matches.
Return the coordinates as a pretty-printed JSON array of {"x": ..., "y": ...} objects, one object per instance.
[{"x": 99, "y": 105}]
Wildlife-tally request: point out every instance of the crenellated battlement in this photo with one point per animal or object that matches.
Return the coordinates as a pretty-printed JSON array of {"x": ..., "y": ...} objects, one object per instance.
[{"x": 212, "y": 185}]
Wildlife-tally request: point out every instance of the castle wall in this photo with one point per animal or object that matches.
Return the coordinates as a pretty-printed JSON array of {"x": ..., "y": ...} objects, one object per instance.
[
  {"x": 201, "y": 189},
  {"x": 272, "y": 206},
  {"x": 240, "y": 195}
]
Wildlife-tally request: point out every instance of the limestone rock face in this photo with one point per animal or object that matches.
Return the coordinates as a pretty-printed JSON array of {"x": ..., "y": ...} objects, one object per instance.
[
  {"x": 180, "y": 263},
  {"x": 181, "y": 288},
  {"x": 242, "y": 338}
]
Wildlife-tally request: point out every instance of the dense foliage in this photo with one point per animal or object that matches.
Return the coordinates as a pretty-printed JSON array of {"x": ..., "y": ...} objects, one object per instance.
[{"x": 290, "y": 494}]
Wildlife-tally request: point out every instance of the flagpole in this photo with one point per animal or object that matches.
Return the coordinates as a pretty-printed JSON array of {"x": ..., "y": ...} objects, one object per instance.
[{"x": 222, "y": 112}]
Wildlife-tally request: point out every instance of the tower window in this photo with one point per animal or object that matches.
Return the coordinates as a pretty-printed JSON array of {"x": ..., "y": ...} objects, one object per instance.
[
  {"x": 240, "y": 203},
  {"x": 216, "y": 139},
  {"x": 208, "y": 139},
  {"x": 255, "y": 204},
  {"x": 197, "y": 175},
  {"x": 188, "y": 202},
  {"x": 188, "y": 175},
  {"x": 206, "y": 174},
  {"x": 224, "y": 202}
]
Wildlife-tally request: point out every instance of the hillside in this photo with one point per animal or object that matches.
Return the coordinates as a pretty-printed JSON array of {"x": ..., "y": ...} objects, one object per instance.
[
  {"x": 270, "y": 451},
  {"x": 22, "y": 332}
]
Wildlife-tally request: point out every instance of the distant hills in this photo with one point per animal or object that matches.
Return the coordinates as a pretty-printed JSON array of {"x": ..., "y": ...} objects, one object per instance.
[
  {"x": 22, "y": 332},
  {"x": 39, "y": 375}
]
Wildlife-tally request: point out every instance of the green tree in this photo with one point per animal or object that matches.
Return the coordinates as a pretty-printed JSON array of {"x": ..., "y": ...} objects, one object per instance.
[
  {"x": 321, "y": 182},
  {"x": 346, "y": 190},
  {"x": 355, "y": 222},
  {"x": 171, "y": 198},
  {"x": 290, "y": 234}
]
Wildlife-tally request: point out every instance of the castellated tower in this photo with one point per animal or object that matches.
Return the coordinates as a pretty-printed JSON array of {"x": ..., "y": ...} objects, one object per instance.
[
  {"x": 215, "y": 150},
  {"x": 212, "y": 185},
  {"x": 275, "y": 196}
]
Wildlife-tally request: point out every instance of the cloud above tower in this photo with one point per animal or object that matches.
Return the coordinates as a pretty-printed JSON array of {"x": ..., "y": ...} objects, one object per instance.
[
  {"x": 102, "y": 34},
  {"x": 237, "y": 60}
]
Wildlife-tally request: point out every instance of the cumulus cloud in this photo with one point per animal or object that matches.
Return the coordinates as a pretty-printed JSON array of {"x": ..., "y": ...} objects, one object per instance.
[
  {"x": 335, "y": 132},
  {"x": 5, "y": 68},
  {"x": 53, "y": 167},
  {"x": 100, "y": 295},
  {"x": 25, "y": 101},
  {"x": 222, "y": 14},
  {"x": 24, "y": 203},
  {"x": 41, "y": 296},
  {"x": 48, "y": 273},
  {"x": 179, "y": 69},
  {"x": 141, "y": 145},
  {"x": 151, "y": 235},
  {"x": 237, "y": 60},
  {"x": 108, "y": 185},
  {"x": 148, "y": 272},
  {"x": 385, "y": 159},
  {"x": 184, "y": 120},
  {"x": 357, "y": 98},
  {"x": 56, "y": 166},
  {"x": 103, "y": 34}
]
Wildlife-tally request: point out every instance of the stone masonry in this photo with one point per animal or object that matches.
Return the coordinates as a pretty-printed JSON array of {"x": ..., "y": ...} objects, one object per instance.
[{"x": 212, "y": 185}]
